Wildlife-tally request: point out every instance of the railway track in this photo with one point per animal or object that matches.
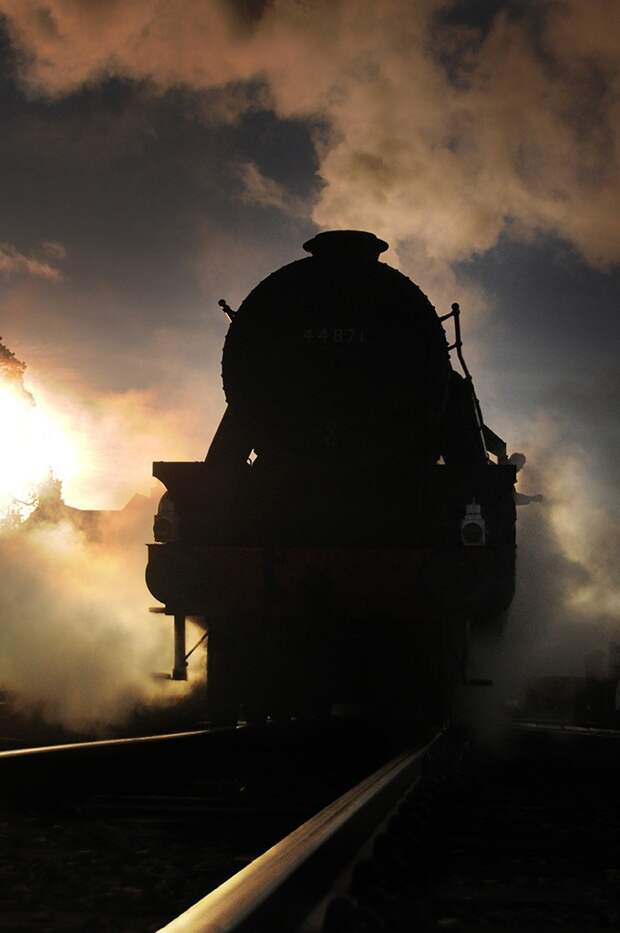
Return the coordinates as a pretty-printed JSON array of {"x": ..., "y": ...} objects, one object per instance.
[
  {"x": 291, "y": 886},
  {"x": 526, "y": 838},
  {"x": 448, "y": 836},
  {"x": 120, "y": 835}
]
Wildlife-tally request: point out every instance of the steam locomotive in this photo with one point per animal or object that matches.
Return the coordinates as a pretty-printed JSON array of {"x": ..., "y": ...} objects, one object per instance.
[{"x": 354, "y": 518}]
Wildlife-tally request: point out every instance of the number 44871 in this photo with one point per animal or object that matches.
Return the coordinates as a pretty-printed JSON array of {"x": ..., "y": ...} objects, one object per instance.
[{"x": 335, "y": 335}]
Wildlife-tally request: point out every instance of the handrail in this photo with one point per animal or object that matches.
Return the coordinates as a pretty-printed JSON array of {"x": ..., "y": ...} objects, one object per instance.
[
  {"x": 455, "y": 313},
  {"x": 232, "y": 905}
]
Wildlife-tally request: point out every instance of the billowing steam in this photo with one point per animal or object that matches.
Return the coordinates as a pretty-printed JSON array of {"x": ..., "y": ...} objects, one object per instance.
[
  {"x": 78, "y": 645},
  {"x": 429, "y": 132},
  {"x": 569, "y": 553}
]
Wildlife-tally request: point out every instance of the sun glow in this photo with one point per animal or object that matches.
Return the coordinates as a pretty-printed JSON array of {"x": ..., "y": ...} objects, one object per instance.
[{"x": 33, "y": 444}]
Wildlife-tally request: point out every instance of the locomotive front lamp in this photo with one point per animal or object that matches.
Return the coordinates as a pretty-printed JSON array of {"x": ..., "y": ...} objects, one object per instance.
[
  {"x": 473, "y": 526},
  {"x": 162, "y": 529},
  {"x": 166, "y": 523}
]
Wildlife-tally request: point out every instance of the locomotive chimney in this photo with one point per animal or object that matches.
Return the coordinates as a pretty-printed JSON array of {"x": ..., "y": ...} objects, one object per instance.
[{"x": 346, "y": 245}]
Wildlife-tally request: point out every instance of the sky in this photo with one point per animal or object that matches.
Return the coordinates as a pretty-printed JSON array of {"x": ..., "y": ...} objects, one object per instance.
[{"x": 156, "y": 155}]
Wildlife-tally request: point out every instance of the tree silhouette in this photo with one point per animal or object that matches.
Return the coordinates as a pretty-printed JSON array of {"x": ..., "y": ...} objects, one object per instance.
[{"x": 12, "y": 372}]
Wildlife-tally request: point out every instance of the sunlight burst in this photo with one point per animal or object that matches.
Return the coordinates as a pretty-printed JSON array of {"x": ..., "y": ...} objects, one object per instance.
[{"x": 34, "y": 443}]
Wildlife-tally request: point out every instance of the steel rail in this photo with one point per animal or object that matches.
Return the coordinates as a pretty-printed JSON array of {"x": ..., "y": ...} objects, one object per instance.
[
  {"x": 283, "y": 885},
  {"x": 74, "y": 769},
  {"x": 560, "y": 728},
  {"x": 70, "y": 747}
]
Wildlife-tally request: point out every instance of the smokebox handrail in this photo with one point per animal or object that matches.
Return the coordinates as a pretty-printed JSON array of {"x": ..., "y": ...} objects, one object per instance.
[
  {"x": 228, "y": 311},
  {"x": 260, "y": 888},
  {"x": 455, "y": 313}
]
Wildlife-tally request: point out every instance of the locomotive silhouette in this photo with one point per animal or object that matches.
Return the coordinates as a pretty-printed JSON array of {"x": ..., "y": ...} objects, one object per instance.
[{"x": 354, "y": 519}]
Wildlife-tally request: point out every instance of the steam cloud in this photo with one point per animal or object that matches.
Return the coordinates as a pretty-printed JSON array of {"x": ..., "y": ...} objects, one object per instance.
[
  {"x": 429, "y": 132},
  {"x": 13, "y": 262},
  {"x": 78, "y": 644},
  {"x": 571, "y": 601}
]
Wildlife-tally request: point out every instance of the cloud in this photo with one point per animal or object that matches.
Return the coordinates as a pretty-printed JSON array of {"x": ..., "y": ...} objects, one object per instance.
[
  {"x": 54, "y": 250},
  {"x": 432, "y": 134},
  {"x": 259, "y": 189},
  {"x": 12, "y": 262}
]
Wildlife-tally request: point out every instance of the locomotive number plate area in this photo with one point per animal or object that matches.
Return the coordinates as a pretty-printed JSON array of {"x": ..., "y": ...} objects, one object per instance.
[{"x": 330, "y": 335}]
